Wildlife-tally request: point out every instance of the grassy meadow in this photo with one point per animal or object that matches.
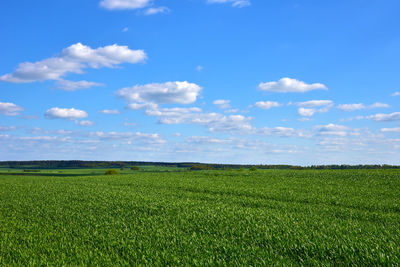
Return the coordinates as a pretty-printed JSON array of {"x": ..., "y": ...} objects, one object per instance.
[{"x": 175, "y": 217}]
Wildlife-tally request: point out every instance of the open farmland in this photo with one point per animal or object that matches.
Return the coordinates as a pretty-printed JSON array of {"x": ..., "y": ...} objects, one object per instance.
[{"x": 304, "y": 217}]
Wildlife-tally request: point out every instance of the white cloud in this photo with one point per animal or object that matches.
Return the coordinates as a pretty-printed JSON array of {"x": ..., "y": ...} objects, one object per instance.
[
  {"x": 286, "y": 85},
  {"x": 385, "y": 117},
  {"x": 109, "y": 111},
  {"x": 306, "y": 112},
  {"x": 315, "y": 103},
  {"x": 84, "y": 123},
  {"x": 303, "y": 119},
  {"x": 206, "y": 140},
  {"x": 173, "y": 115},
  {"x": 267, "y": 104},
  {"x": 233, "y": 110},
  {"x": 221, "y": 123},
  {"x": 10, "y": 109},
  {"x": 351, "y": 107},
  {"x": 235, "y": 3},
  {"x": 37, "y": 130},
  {"x": 161, "y": 93},
  {"x": 332, "y": 129},
  {"x": 215, "y": 122},
  {"x": 128, "y": 137},
  {"x": 125, "y": 29},
  {"x": 241, "y": 3},
  {"x": 353, "y": 118},
  {"x": 199, "y": 68},
  {"x": 65, "y": 113},
  {"x": 391, "y": 130},
  {"x": 107, "y": 56},
  {"x": 73, "y": 86},
  {"x": 124, "y": 4},
  {"x": 309, "y": 108},
  {"x": 396, "y": 94},
  {"x": 379, "y": 105},
  {"x": 336, "y": 133},
  {"x": 359, "y": 106},
  {"x": 136, "y": 106},
  {"x": 80, "y": 137},
  {"x": 74, "y": 59},
  {"x": 278, "y": 131},
  {"x": 156, "y": 10},
  {"x": 222, "y": 104}
]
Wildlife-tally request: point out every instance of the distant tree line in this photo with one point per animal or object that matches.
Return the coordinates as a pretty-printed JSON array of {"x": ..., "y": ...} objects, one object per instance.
[{"x": 77, "y": 164}]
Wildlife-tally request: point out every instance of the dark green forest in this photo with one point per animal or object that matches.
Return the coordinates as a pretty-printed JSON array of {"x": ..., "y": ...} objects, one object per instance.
[{"x": 78, "y": 164}]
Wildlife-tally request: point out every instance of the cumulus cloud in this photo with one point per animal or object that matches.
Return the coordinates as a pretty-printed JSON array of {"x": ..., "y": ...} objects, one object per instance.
[
  {"x": 134, "y": 4},
  {"x": 10, "y": 109},
  {"x": 222, "y": 104},
  {"x": 379, "y": 105},
  {"x": 351, "y": 107},
  {"x": 207, "y": 140},
  {"x": 73, "y": 86},
  {"x": 267, "y": 104},
  {"x": 303, "y": 119},
  {"x": 124, "y": 4},
  {"x": 74, "y": 59},
  {"x": 221, "y": 123},
  {"x": 359, "y": 106},
  {"x": 235, "y": 3},
  {"x": 288, "y": 85},
  {"x": 396, "y": 94},
  {"x": 68, "y": 142},
  {"x": 137, "y": 106},
  {"x": 84, "y": 123},
  {"x": 332, "y": 129},
  {"x": 391, "y": 130},
  {"x": 356, "y": 118},
  {"x": 161, "y": 93},
  {"x": 215, "y": 122},
  {"x": 309, "y": 108},
  {"x": 65, "y": 113},
  {"x": 278, "y": 131},
  {"x": 109, "y": 111},
  {"x": 173, "y": 115},
  {"x": 156, "y": 10},
  {"x": 128, "y": 137},
  {"x": 315, "y": 103},
  {"x": 306, "y": 112},
  {"x": 232, "y": 110},
  {"x": 37, "y": 130},
  {"x": 385, "y": 117}
]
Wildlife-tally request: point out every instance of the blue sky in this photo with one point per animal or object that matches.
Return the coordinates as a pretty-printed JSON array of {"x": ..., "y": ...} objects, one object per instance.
[{"x": 224, "y": 81}]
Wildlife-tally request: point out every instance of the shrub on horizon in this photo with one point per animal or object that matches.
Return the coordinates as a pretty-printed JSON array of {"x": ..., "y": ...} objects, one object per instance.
[{"x": 111, "y": 172}]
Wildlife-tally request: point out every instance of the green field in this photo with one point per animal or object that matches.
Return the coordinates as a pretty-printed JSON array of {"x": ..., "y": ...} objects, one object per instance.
[
  {"x": 268, "y": 217},
  {"x": 33, "y": 170}
]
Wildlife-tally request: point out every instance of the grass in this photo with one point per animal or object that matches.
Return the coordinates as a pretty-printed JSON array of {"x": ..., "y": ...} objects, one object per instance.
[{"x": 267, "y": 217}]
